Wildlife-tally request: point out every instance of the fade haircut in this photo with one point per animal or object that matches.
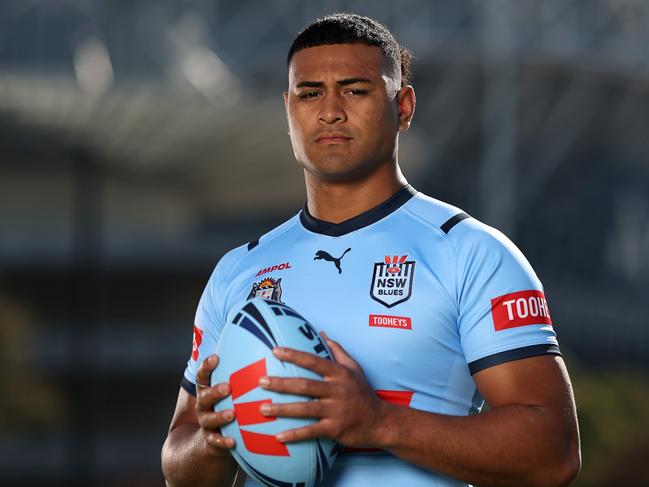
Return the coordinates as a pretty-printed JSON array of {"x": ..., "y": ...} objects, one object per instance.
[{"x": 346, "y": 28}]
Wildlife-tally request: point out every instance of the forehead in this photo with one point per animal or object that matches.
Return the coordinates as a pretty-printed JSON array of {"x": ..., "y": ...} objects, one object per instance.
[{"x": 338, "y": 61}]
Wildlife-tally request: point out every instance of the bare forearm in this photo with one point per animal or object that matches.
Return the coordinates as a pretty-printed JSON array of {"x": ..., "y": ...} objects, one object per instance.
[
  {"x": 509, "y": 446},
  {"x": 187, "y": 460}
]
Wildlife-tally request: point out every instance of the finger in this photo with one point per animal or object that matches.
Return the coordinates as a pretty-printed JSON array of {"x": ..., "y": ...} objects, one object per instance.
[
  {"x": 306, "y": 360},
  {"x": 339, "y": 353},
  {"x": 315, "y": 430},
  {"x": 205, "y": 370},
  {"x": 206, "y": 398},
  {"x": 213, "y": 421},
  {"x": 296, "y": 385},
  {"x": 307, "y": 409},
  {"x": 219, "y": 441}
]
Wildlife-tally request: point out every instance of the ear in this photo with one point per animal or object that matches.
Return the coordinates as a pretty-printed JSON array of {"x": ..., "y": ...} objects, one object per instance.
[
  {"x": 406, "y": 102},
  {"x": 286, "y": 110}
]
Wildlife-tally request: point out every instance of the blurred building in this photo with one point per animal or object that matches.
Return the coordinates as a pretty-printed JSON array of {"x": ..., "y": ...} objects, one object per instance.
[{"x": 141, "y": 140}]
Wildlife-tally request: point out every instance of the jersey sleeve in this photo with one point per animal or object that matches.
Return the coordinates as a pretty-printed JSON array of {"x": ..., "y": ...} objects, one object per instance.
[
  {"x": 208, "y": 324},
  {"x": 503, "y": 312}
]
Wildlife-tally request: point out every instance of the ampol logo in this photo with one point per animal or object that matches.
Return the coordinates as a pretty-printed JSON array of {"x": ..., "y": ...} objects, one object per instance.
[
  {"x": 392, "y": 280},
  {"x": 276, "y": 267}
]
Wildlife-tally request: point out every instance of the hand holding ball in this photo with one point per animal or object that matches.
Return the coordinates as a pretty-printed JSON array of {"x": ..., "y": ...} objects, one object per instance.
[{"x": 245, "y": 349}]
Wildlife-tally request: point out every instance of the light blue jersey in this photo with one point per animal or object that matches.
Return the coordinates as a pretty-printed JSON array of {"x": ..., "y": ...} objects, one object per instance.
[{"x": 416, "y": 291}]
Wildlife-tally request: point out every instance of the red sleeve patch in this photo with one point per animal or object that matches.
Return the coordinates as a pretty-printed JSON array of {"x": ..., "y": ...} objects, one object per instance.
[
  {"x": 198, "y": 338},
  {"x": 519, "y": 309}
]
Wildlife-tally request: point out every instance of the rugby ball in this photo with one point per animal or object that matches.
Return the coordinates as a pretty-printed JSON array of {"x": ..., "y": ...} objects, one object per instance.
[{"x": 245, "y": 350}]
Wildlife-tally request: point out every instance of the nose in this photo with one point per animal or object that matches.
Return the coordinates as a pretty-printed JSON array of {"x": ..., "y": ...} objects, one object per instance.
[{"x": 332, "y": 110}]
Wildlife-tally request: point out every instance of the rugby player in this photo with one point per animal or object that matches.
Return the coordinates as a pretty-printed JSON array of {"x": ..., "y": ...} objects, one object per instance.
[{"x": 454, "y": 312}]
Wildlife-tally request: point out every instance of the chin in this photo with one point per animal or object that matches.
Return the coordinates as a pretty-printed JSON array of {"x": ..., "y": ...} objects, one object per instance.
[{"x": 338, "y": 171}]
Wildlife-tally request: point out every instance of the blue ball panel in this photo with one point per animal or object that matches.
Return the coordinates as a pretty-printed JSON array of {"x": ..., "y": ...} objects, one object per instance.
[{"x": 245, "y": 352}]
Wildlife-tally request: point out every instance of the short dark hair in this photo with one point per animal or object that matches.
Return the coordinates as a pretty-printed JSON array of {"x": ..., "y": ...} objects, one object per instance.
[{"x": 344, "y": 28}]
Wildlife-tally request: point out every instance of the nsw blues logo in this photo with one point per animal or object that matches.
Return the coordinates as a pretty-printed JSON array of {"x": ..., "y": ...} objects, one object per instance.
[{"x": 392, "y": 280}]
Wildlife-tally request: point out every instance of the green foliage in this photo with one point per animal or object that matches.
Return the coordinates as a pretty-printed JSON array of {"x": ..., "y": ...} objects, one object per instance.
[
  {"x": 613, "y": 410},
  {"x": 28, "y": 403}
]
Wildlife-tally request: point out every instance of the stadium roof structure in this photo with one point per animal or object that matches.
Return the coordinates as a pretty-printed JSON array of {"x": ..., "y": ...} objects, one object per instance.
[
  {"x": 513, "y": 94},
  {"x": 159, "y": 83}
]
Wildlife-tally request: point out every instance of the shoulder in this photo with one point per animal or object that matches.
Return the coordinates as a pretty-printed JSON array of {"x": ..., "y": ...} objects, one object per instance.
[
  {"x": 473, "y": 241},
  {"x": 434, "y": 213},
  {"x": 479, "y": 243},
  {"x": 276, "y": 233},
  {"x": 240, "y": 256}
]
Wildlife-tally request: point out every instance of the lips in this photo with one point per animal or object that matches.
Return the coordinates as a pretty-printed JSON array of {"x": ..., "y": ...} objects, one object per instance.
[{"x": 332, "y": 138}]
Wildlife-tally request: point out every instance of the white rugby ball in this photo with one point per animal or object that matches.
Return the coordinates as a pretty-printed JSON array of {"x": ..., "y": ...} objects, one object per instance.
[{"x": 245, "y": 349}]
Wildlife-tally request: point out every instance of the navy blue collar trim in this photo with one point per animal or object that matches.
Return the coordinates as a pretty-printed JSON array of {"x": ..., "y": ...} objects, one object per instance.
[{"x": 359, "y": 221}]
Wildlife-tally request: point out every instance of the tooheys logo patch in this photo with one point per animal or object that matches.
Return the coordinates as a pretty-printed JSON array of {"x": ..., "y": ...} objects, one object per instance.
[
  {"x": 520, "y": 309},
  {"x": 196, "y": 342},
  {"x": 385, "y": 321}
]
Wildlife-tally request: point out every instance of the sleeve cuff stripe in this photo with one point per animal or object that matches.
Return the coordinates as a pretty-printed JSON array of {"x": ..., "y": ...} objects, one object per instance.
[
  {"x": 188, "y": 386},
  {"x": 510, "y": 355}
]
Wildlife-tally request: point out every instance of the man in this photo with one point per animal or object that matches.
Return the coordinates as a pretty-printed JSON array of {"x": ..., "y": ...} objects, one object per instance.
[{"x": 454, "y": 312}]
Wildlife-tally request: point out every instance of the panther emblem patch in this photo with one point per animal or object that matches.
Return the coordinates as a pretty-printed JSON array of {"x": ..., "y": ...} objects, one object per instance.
[{"x": 267, "y": 288}]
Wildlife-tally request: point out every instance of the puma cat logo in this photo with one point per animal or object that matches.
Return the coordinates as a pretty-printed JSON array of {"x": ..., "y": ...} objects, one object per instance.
[{"x": 324, "y": 255}]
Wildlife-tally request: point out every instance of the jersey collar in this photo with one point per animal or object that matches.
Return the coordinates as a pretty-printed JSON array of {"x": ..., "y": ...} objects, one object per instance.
[{"x": 359, "y": 221}]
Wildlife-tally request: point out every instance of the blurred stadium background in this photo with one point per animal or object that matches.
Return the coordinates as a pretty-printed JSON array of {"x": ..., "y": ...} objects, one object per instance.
[{"x": 140, "y": 140}]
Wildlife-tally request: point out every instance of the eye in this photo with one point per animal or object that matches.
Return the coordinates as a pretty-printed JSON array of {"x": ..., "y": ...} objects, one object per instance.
[
  {"x": 356, "y": 92},
  {"x": 308, "y": 94}
]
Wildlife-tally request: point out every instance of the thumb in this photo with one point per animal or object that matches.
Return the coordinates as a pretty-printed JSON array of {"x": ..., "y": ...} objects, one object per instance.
[{"x": 339, "y": 353}]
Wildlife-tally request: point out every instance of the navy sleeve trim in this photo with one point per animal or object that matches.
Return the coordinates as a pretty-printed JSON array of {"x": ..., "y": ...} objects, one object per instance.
[
  {"x": 253, "y": 244},
  {"x": 454, "y": 220},
  {"x": 510, "y": 355},
  {"x": 188, "y": 386}
]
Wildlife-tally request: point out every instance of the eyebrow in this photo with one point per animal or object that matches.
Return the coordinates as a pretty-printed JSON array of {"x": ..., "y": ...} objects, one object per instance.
[{"x": 342, "y": 82}]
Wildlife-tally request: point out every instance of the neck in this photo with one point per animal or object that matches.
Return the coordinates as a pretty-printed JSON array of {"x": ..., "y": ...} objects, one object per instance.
[{"x": 338, "y": 201}]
